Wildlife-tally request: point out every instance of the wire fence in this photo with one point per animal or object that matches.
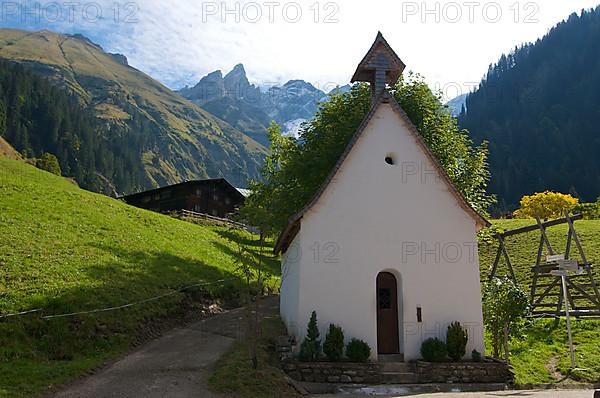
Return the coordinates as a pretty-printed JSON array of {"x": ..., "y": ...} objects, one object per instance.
[
  {"x": 20, "y": 313},
  {"x": 119, "y": 307}
]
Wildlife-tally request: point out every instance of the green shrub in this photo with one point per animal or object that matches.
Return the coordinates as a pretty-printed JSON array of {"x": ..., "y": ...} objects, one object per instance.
[
  {"x": 476, "y": 356},
  {"x": 434, "y": 350},
  {"x": 310, "y": 349},
  {"x": 505, "y": 309},
  {"x": 334, "y": 343},
  {"x": 456, "y": 341},
  {"x": 48, "y": 162},
  {"x": 590, "y": 211},
  {"x": 358, "y": 351}
]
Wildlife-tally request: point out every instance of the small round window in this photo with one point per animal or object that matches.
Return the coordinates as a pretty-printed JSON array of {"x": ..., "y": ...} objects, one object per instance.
[{"x": 389, "y": 159}]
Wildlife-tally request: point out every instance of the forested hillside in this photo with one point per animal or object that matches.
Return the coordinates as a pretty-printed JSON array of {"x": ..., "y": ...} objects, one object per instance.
[
  {"x": 37, "y": 117},
  {"x": 122, "y": 131},
  {"x": 539, "y": 108}
]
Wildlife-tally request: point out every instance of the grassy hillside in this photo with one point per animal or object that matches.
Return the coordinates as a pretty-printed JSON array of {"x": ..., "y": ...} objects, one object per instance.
[
  {"x": 189, "y": 142},
  {"x": 542, "y": 355},
  {"x": 65, "y": 250}
]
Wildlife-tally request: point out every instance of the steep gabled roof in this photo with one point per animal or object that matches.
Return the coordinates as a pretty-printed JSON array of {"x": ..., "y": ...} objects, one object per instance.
[
  {"x": 366, "y": 67},
  {"x": 293, "y": 227},
  {"x": 215, "y": 181}
]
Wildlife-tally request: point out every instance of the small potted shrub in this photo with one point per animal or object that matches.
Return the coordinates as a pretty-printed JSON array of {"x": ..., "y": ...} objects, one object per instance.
[
  {"x": 358, "y": 351},
  {"x": 434, "y": 350},
  {"x": 334, "y": 343}
]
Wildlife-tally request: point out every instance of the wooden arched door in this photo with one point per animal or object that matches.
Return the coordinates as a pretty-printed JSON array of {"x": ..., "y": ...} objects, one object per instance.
[{"x": 388, "y": 341}]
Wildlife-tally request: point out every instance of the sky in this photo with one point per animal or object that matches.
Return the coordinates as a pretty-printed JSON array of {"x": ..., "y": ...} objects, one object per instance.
[{"x": 450, "y": 43}]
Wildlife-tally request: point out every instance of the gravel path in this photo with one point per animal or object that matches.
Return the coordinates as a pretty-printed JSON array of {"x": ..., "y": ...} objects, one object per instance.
[{"x": 176, "y": 365}]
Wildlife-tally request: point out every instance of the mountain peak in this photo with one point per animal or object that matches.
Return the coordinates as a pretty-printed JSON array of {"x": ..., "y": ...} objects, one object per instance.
[
  {"x": 81, "y": 37},
  {"x": 300, "y": 83},
  {"x": 237, "y": 82},
  {"x": 120, "y": 58},
  {"x": 239, "y": 68},
  {"x": 216, "y": 75},
  {"x": 237, "y": 75}
]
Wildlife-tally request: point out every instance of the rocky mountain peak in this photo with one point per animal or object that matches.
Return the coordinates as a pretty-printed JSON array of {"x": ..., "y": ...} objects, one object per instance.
[
  {"x": 236, "y": 80},
  {"x": 120, "y": 58},
  {"x": 246, "y": 106}
]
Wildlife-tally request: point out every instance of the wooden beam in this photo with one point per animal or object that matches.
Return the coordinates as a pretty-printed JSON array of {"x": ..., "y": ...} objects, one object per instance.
[
  {"x": 535, "y": 227},
  {"x": 569, "y": 238},
  {"x": 508, "y": 263},
  {"x": 576, "y": 238},
  {"x": 544, "y": 236},
  {"x": 545, "y": 293},
  {"x": 538, "y": 260},
  {"x": 496, "y": 261},
  {"x": 559, "y": 308},
  {"x": 578, "y": 313},
  {"x": 582, "y": 254},
  {"x": 589, "y": 297}
]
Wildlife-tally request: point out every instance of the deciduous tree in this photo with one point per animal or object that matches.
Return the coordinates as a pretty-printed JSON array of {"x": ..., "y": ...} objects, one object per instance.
[{"x": 296, "y": 168}]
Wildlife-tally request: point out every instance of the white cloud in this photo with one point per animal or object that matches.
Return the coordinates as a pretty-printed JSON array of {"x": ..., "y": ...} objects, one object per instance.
[{"x": 177, "y": 42}]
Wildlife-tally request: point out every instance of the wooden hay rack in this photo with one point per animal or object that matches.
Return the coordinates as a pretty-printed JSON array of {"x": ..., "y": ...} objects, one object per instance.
[{"x": 546, "y": 292}]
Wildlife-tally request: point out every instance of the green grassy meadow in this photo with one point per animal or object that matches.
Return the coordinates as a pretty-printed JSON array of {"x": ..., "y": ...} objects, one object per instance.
[
  {"x": 541, "y": 355},
  {"x": 66, "y": 250}
]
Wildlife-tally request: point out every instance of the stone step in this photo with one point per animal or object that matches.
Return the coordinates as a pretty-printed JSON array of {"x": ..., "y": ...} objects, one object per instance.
[
  {"x": 399, "y": 378},
  {"x": 402, "y": 367},
  {"x": 391, "y": 358}
]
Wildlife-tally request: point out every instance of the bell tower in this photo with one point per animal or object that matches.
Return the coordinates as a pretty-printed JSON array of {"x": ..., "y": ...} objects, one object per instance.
[{"x": 380, "y": 66}]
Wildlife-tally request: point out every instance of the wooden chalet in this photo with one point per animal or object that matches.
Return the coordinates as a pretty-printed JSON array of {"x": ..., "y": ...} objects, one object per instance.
[{"x": 215, "y": 197}]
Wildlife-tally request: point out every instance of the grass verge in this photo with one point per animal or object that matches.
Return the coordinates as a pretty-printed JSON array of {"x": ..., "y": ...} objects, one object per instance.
[
  {"x": 64, "y": 250},
  {"x": 234, "y": 374}
]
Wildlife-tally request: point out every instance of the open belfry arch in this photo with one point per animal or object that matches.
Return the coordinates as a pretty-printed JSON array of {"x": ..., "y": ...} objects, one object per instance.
[
  {"x": 546, "y": 292},
  {"x": 379, "y": 67}
]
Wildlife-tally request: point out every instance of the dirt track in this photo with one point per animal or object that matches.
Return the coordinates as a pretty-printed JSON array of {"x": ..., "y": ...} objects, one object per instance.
[{"x": 176, "y": 365}]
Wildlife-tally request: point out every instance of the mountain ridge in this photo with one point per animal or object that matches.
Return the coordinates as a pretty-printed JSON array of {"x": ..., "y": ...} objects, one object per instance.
[
  {"x": 187, "y": 141},
  {"x": 250, "y": 107}
]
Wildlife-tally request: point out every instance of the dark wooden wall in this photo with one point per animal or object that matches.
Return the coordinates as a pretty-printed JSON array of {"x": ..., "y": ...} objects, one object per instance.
[{"x": 215, "y": 197}]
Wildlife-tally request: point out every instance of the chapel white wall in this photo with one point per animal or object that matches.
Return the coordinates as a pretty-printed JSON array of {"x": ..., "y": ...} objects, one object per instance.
[{"x": 373, "y": 212}]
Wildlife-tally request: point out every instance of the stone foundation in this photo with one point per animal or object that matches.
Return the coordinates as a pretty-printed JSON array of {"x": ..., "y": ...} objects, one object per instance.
[
  {"x": 489, "y": 371},
  {"x": 334, "y": 372}
]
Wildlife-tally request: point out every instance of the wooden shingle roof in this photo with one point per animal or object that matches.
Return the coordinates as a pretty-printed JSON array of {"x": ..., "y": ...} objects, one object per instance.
[{"x": 391, "y": 62}]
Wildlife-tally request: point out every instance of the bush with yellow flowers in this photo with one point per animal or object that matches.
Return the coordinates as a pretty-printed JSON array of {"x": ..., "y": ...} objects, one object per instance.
[{"x": 545, "y": 205}]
